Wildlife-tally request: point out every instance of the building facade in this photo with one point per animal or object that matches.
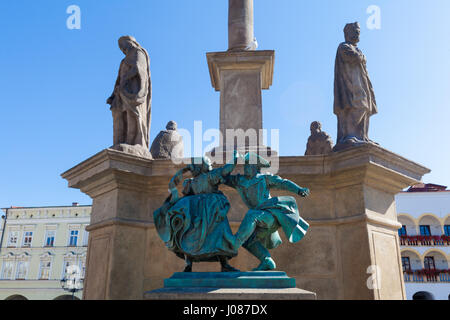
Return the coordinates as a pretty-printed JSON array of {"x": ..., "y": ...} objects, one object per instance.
[
  {"x": 39, "y": 247},
  {"x": 424, "y": 212}
]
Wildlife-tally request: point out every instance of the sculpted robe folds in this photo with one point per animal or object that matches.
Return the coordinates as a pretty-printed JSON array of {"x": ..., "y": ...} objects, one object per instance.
[
  {"x": 354, "y": 98},
  {"x": 131, "y": 106}
]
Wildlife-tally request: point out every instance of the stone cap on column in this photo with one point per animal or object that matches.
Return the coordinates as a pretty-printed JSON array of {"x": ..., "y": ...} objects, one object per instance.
[{"x": 262, "y": 60}]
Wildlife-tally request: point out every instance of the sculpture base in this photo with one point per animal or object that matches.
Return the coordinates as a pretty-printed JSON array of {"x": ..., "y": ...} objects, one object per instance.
[
  {"x": 255, "y": 279},
  {"x": 229, "y": 294},
  {"x": 136, "y": 150},
  {"x": 266, "y": 285},
  {"x": 351, "y": 143}
]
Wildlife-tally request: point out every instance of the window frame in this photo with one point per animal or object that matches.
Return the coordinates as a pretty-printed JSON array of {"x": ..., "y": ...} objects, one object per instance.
[
  {"x": 77, "y": 236},
  {"x": 47, "y": 236},
  {"x": 27, "y": 264},
  {"x": 12, "y": 263},
  {"x": 404, "y": 267},
  {"x": 402, "y": 232},
  {"x": 447, "y": 230},
  {"x": 9, "y": 245},
  {"x": 25, "y": 237},
  {"x": 425, "y": 227},
  {"x": 426, "y": 263},
  {"x": 45, "y": 261}
]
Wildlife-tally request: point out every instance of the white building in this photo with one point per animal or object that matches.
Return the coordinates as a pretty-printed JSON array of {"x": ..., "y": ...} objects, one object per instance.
[
  {"x": 39, "y": 247},
  {"x": 424, "y": 212}
]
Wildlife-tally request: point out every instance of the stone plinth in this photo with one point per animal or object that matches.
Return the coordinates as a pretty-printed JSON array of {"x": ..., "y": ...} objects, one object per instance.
[
  {"x": 229, "y": 294},
  {"x": 351, "y": 211},
  {"x": 125, "y": 190},
  {"x": 254, "y": 279},
  {"x": 240, "y": 77},
  {"x": 270, "y": 285}
]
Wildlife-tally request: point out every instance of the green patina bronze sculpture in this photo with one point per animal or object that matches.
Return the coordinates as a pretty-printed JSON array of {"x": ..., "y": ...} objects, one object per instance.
[
  {"x": 196, "y": 228},
  {"x": 258, "y": 231}
]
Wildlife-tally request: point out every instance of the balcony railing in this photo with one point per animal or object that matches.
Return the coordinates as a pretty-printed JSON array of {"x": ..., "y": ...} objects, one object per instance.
[
  {"x": 425, "y": 240},
  {"x": 427, "y": 275}
]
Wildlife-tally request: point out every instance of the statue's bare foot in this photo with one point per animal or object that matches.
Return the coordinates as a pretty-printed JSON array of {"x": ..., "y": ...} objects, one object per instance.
[{"x": 266, "y": 265}]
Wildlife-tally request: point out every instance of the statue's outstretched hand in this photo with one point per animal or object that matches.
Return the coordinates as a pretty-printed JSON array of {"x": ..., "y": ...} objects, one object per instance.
[{"x": 304, "y": 192}]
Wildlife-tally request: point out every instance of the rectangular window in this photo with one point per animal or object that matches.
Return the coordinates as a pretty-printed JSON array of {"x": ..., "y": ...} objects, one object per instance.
[
  {"x": 402, "y": 231},
  {"x": 12, "y": 239},
  {"x": 73, "y": 239},
  {"x": 447, "y": 230},
  {"x": 50, "y": 238},
  {"x": 44, "y": 270},
  {"x": 66, "y": 269},
  {"x": 425, "y": 230},
  {"x": 22, "y": 270},
  {"x": 7, "y": 270},
  {"x": 85, "y": 238},
  {"x": 429, "y": 263},
  {"x": 27, "y": 238},
  {"x": 406, "y": 264}
]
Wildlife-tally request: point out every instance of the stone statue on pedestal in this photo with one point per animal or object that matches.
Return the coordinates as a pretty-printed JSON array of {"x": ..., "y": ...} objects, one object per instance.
[
  {"x": 319, "y": 142},
  {"x": 131, "y": 100},
  {"x": 168, "y": 144},
  {"x": 354, "y": 97}
]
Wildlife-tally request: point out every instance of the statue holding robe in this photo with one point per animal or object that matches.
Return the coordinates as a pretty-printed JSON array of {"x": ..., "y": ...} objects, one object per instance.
[
  {"x": 131, "y": 100},
  {"x": 354, "y": 97}
]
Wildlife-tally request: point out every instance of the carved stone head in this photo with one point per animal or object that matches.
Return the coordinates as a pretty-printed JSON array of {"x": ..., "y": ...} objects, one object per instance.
[
  {"x": 352, "y": 32},
  {"x": 171, "y": 125},
  {"x": 316, "y": 127},
  {"x": 126, "y": 43}
]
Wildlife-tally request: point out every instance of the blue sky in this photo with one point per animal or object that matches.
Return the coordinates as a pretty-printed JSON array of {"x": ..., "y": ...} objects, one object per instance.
[{"x": 55, "y": 81}]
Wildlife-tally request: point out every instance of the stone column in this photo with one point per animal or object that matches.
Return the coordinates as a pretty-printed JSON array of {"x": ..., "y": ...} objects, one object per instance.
[
  {"x": 240, "y": 24},
  {"x": 240, "y": 77}
]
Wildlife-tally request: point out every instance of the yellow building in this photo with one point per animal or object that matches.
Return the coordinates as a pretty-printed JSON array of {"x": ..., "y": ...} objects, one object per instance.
[{"x": 39, "y": 246}]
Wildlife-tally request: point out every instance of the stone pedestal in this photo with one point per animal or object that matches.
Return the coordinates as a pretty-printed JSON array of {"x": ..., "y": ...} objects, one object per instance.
[
  {"x": 351, "y": 250},
  {"x": 271, "y": 285},
  {"x": 351, "y": 211},
  {"x": 125, "y": 190},
  {"x": 240, "y": 77}
]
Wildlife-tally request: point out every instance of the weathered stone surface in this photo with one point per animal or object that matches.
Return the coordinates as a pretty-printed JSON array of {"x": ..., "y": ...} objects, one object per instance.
[
  {"x": 168, "y": 144},
  {"x": 240, "y": 25},
  {"x": 319, "y": 142},
  {"x": 136, "y": 150},
  {"x": 354, "y": 97},
  {"x": 229, "y": 294},
  {"x": 131, "y": 99},
  {"x": 240, "y": 77}
]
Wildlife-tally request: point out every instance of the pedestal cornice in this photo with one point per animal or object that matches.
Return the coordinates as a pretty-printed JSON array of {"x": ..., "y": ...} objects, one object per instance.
[{"x": 262, "y": 60}]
